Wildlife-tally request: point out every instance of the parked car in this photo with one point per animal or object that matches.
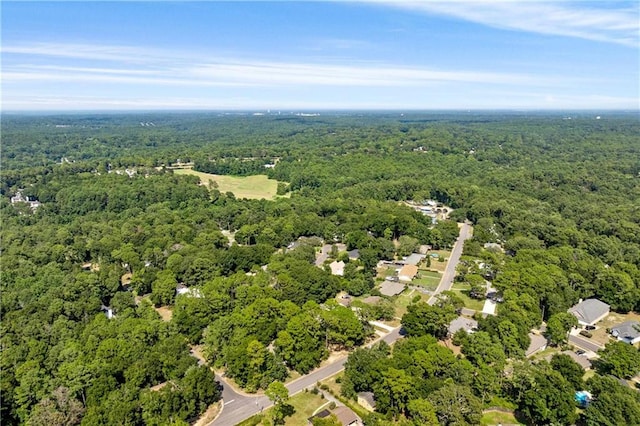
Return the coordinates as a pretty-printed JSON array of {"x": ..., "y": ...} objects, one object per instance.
[
  {"x": 590, "y": 327},
  {"x": 581, "y": 352},
  {"x": 585, "y": 333}
]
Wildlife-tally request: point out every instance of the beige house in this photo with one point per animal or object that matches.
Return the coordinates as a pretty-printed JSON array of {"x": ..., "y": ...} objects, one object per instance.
[
  {"x": 407, "y": 273},
  {"x": 367, "y": 400}
]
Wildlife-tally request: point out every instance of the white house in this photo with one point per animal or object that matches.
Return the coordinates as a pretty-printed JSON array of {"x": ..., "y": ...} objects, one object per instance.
[
  {"x": 337, "y": 268},
  {"x": 628, "y": 332}
]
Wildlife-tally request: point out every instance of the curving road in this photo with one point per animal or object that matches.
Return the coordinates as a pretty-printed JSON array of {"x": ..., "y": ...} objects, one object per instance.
[
  {"x": 238, "y": 407},
  {"x": 466, "y": 232}
]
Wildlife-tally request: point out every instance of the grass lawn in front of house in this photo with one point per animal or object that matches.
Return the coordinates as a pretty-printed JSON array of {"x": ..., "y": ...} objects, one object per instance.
[
  {"x": 427, "y": 279},
  {"x": 498, "y": 418},
  {"x": 332, "y": 383},
  {"x": 462, "y": 291},
  {"x": 429, "y": 283},
  {"x": 403, "y": 300},
  {"x": 305, "y": 405}
]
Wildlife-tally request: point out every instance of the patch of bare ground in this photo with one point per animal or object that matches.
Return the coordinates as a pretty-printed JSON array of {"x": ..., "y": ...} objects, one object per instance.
[
  {"x": 447, "y": 344},
  {"x": 196, "y": 352},
  {"x": 126, "y": 279},
  {"x": 209, "y": 415},
  {"x": 334, "y": 355},
  {"x": 165, "y": 313},
  {"x": 157, "y": 387}
]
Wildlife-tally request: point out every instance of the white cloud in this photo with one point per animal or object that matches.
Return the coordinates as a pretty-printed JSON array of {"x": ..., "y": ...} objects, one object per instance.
[
  {"x": 135, "y": 65},
  {"x": 586, "y": 20}
]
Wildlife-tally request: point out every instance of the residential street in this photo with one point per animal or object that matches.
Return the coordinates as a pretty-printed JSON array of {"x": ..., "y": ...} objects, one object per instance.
[
  {"x": 583, "y": 343},
  {"x": 238, "y": 407},
  {"x": 466, "y": 232}
]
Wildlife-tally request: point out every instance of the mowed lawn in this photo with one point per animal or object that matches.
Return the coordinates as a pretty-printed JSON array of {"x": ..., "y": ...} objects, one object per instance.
[
  {"x": 494, "y": 418},
  {"x": 253, "y": 187},
  {"x": 305, "y": 405},
  {"x": 427, "y": 279}
]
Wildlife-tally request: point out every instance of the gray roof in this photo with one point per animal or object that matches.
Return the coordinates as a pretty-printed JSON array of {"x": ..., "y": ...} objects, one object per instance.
[
  {"x": 372, "y": 300},
  {"x": 462, "y": 323},
  {"x": 346, "y": 416},
  {"x": 354, "y": 254},
  {"x": 369, "y": 397},
  {"x": 589, "y": 311},
  {"x": 583, "y": 361},
  {"x": 414, "y": 259},
  {"x": 627, "y": 330},
  {"x": 389, "y": 288},
  {"x": 538, "y": 343}
]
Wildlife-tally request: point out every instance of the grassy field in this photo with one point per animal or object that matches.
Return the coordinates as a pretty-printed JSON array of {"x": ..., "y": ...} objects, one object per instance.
[
  {"x": 305, "y": 405},
  {"x": 253, "y": 187},
  {"x": 498, "y": 418}
]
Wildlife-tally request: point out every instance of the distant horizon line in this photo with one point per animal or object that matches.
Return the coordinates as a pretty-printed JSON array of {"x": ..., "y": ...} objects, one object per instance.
[{"x": 288, "y": 111}]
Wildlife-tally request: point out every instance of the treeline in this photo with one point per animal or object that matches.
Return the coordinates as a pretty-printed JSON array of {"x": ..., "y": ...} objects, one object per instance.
[{"x": 231, "y": 166}]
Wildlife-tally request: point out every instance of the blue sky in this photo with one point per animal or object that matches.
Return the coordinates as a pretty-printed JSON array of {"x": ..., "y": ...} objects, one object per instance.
[{"x": 377, "y": 54}]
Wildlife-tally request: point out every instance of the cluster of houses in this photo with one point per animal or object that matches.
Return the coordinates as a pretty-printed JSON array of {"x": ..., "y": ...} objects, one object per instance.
[
  {"x": 430, "y": 208},
  {"x": 406, "y": 271},
  {"x": 590, "y": 312},
  {"x": 21, "y": 198}
]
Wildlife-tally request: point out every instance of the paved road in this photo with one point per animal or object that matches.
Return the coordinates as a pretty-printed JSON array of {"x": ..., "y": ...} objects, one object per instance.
[
  {"x": 583, "y": 343},
  {"x": 466, "y": 232},
  {"x": 238, "y": 407}
]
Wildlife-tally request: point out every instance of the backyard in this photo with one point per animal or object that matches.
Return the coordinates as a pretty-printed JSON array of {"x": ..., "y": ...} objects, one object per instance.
[{"x": 439, "y": 262}]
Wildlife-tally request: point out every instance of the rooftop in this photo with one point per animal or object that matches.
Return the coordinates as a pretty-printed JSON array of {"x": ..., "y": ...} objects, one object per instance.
[
  {"x": 628, "y": 330},
  {"x": 389, "y": 288},
  {"x": 589, "y": 311}
]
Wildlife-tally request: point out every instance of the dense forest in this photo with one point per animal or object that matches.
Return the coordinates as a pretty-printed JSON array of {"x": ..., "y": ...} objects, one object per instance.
[{"x": 82, "y": 274}]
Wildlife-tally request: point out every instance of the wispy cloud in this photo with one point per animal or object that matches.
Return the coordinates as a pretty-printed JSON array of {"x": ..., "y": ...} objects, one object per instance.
[
  {"x": 597, "y": 21},
  {"x": 135, "y": 65}
]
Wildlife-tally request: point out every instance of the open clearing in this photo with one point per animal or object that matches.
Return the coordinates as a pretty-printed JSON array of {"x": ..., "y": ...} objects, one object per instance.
[
  {"x": 491, "y": 418},
  {"x": 253, "y": 187}
]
